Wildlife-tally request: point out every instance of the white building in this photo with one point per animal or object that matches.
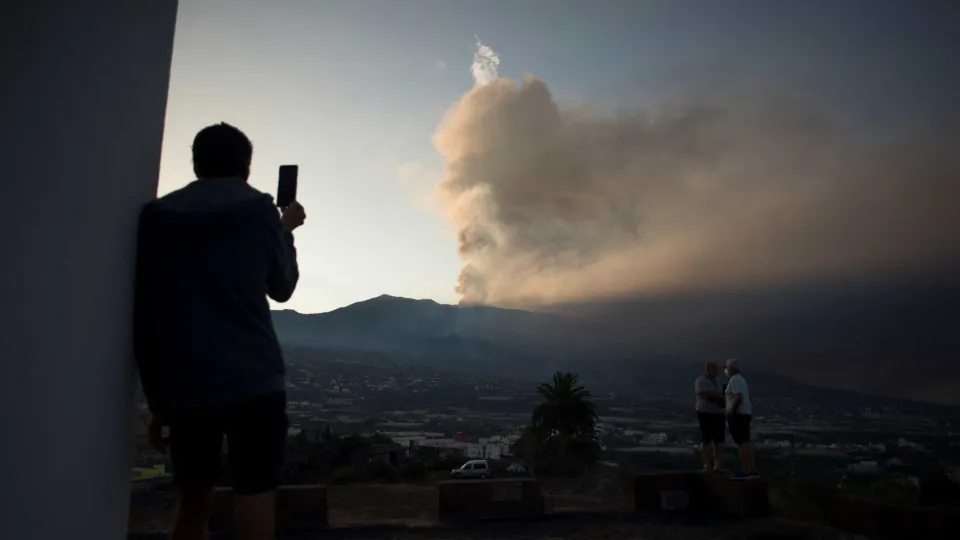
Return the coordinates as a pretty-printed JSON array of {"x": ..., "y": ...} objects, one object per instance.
[{"x": 484, "y": 451}]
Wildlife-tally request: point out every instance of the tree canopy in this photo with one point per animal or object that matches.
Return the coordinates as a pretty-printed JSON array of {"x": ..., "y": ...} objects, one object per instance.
[{"x": 566, "y": 409}]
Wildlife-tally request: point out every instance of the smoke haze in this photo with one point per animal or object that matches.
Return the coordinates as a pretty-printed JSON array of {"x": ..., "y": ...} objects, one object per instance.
[{"x": 718, "y": 192}]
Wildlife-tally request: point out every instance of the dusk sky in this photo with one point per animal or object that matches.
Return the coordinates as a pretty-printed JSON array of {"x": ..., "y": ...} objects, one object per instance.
[{"x": 354, "y": 92}]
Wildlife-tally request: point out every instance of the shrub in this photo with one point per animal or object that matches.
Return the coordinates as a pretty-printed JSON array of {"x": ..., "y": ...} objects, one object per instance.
[
  {"x": 343, "y": 475},
  {"x": 414, "y": 471},
  {"x": 448, "y": 463},
  {"x": 380, "y": 472}
]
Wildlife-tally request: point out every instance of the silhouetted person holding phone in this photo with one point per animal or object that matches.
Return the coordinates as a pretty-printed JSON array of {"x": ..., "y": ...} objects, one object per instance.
[{"x": 210, "y": 364}]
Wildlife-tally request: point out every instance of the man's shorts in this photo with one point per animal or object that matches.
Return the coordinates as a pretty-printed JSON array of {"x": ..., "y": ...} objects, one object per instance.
[
  {"x": 740, "y": 427},
  {"x": 713, "y": 427},
  {"x": 256, "y": 432}
]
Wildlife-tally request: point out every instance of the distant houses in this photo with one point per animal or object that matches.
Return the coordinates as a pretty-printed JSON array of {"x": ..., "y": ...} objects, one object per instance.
[{"x": 460, "y": 445}]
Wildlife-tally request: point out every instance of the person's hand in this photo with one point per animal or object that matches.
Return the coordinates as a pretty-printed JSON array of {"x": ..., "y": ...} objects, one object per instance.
[
  {"x": 155, "y": 430},
  {"x": 293, "y": 216}
]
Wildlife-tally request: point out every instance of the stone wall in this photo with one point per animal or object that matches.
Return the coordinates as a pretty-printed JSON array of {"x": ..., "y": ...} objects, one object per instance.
[{"x": 500, "y": 498}]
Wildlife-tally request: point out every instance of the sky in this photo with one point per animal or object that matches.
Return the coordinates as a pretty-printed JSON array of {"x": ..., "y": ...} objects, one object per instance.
[{"x": 362, "y": 95}]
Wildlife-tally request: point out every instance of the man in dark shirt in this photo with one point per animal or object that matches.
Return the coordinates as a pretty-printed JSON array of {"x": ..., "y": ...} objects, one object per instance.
[{"x": 210, "y": 364}]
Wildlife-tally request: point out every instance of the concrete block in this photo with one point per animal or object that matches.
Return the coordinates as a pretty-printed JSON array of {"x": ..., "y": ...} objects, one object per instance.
[
  {"x": 302, "y": 508},
  {"x": 499, "y": 498},
  {"x": 740, "y": 498},
  {"x": 299, "y": 508},
  {"x": 696, "y": 491},
  {"x": 669, "y": 491},
  {"x": 222, "y": 519}
]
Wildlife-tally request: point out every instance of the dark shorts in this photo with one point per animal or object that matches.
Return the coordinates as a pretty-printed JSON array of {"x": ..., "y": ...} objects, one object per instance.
[
  {"x": 713, "y": 427},
  {"x": 740, "y": 427},
  {"x": 256, "y": 432}
]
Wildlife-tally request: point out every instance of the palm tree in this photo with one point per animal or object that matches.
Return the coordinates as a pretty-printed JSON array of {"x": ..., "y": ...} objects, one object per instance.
[{"x": 566, "y": 410}]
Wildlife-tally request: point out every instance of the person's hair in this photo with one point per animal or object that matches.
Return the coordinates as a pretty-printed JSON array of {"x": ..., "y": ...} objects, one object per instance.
[
  {"x": 222, "y": 151},
  {"x": 734, "y": 364}
]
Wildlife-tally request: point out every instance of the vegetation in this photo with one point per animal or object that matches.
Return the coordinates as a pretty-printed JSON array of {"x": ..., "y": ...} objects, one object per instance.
[
  {"x": 561, "y": 438},
  {"x": 566, "y": 409}
]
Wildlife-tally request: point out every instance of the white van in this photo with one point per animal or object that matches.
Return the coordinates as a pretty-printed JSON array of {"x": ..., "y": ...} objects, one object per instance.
[{"x": 478, "y": 468}]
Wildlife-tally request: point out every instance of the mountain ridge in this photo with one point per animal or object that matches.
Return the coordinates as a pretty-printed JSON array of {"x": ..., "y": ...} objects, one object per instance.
[{"x": 509, "y": 342}]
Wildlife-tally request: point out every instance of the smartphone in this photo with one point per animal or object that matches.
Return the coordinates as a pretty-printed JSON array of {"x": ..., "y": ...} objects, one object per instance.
[{"x": 287, "y": 185}]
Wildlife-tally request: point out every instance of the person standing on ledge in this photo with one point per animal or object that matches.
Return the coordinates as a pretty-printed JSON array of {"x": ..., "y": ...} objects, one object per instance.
[
  {"x": 208, "y": 257},
  {"x": 739, "y": 415},
  {"x": 710, "y": 416}
]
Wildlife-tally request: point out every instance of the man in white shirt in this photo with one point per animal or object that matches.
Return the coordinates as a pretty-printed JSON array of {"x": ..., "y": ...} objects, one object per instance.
[
  {"x": 739, "y": 415},
  {"x": 710, "y": 417}
]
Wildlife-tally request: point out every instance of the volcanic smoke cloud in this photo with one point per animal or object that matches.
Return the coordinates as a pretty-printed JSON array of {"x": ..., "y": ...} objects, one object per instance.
[{"x": 558, "y": 205}]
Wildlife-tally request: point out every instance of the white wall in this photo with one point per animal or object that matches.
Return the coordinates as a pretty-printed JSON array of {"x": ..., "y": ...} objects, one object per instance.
[{"x": 82, "y": 103}]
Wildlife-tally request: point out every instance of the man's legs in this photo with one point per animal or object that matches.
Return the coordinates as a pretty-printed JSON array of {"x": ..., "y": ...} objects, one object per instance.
[
  {"x": 255, "y": 516},
  {"x": 747, "y": 462},
  {"x": 196, "y": 443},
  {"x": 194, "y": 507},
  {"x": 256, "y": 441},
  {"x": 718, "y": 432},
  {"x": 707, "y": 452},
  {"x": 706, "y": 441},
  {"x": 740, "y": 431}
]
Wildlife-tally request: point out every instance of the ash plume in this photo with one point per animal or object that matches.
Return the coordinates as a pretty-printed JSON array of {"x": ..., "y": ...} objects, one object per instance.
[
  {"x": 486, "y": 64},
  {"x": 726, "y": 191}
]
